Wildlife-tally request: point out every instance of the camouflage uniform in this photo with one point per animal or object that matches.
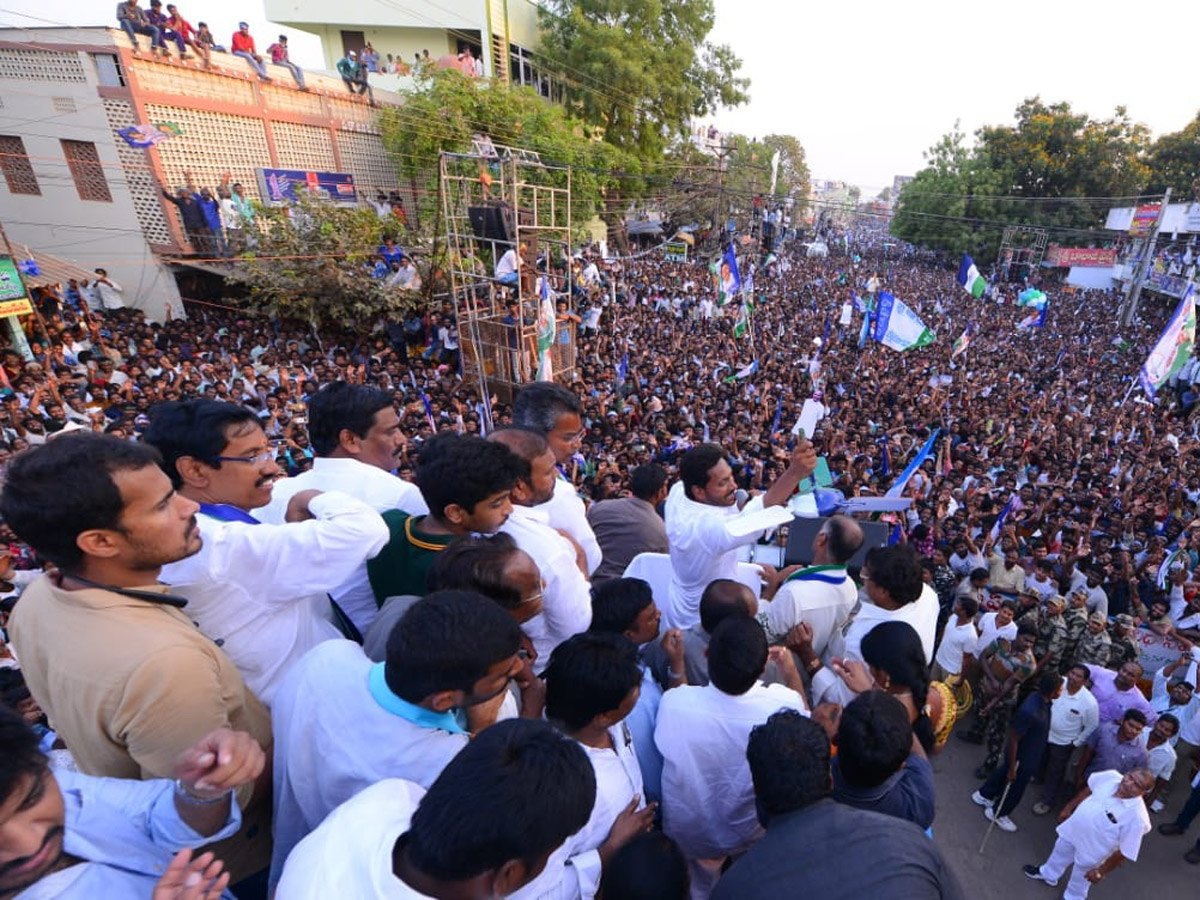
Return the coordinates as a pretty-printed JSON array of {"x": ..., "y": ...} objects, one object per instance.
[
  {"x": 993, "y": 727},
  {"x": 1052, "y": 639},
  {"x": 1076, "y": 620},
  {"x": 1094, "y": 648},
  {"x": 1122, "y": 650}
]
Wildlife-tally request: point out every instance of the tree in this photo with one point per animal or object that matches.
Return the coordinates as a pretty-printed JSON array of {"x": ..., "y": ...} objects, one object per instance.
[
  {"x": 1174, "y": 162},
  {"x": 1046, "y": 170},
  {"x": 313, "y": 262},
  {"x": 444, "y": 110},
  {"x": 639, "y": 70}
]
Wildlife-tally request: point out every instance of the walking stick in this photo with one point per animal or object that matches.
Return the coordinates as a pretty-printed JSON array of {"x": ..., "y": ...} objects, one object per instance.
[{"x": 996, "y": 809}]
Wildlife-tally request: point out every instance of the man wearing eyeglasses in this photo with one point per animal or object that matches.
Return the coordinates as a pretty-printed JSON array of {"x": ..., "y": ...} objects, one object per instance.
[{"x": 261, "y": 592}]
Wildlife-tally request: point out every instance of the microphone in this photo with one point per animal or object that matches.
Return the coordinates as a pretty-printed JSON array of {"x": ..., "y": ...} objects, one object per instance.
[{"x": 740, "y": 497}]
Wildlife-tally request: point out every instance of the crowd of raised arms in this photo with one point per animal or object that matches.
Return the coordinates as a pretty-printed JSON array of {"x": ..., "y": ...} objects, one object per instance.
[{"x": 304, "y": 614}]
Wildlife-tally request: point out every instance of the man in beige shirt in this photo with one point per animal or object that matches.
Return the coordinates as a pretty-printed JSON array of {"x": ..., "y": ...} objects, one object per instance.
[{"x": 120, "y": 669}]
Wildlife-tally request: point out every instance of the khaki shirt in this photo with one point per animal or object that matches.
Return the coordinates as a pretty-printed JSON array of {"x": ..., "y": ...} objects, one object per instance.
[{"x": 129, "y": 684}]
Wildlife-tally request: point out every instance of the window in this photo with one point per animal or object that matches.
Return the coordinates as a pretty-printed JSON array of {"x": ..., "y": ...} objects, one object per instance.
[
  {"x": 86, "y": 170},
  {"x": 108, "y": 70},
  {"x": 14, "y": 162}
]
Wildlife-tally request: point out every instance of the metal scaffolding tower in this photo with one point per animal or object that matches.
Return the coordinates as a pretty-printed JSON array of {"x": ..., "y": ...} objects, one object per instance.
[
  {"x": 1021, "y": 251},
  {"x": 496, "y": 199}
]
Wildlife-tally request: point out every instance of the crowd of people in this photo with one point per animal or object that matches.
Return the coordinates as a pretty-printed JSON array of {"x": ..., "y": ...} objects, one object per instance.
[{"x": 314, "y": 604}]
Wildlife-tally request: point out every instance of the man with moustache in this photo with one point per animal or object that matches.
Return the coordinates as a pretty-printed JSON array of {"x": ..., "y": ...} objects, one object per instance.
[
  {"x": 356, "y": 435},
  {"x": 259, "y": 591},
  {"x": 701, "y": 516},
  {"x": 108, "y": 653}
]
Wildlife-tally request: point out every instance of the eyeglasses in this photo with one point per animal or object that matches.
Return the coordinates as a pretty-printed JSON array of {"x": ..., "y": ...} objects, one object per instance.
[
  {"x": 532, "y": 599},
  {"x": 256, "y": 460}
]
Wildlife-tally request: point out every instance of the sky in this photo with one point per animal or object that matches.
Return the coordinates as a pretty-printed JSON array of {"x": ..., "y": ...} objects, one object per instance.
[{"x": 868, "y": 86}]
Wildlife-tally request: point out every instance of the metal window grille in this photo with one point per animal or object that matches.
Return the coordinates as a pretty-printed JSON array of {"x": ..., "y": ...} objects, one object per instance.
[
  {"x": 14, "y": 162},
  {"x": 87, "y": 171}
]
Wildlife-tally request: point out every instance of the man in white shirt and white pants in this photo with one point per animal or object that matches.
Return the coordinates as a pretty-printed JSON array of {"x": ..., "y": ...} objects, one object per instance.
[
  {"x": 356, "y": 435},
  {"x": 705, "y": 528},
  {"x": 259, "y": 591},
  {"x": 1101, "y": 829}
]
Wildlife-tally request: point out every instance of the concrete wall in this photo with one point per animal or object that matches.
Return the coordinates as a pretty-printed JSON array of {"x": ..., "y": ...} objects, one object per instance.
[{"x": 50, "y": 95}]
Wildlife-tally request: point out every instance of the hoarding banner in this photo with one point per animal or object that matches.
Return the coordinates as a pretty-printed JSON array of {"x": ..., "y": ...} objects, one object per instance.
[
  {"x": 279, "y": 185},
  {"x": 1080, "y": 256},
  {"x": 675, "y": 251},
  {"x": 1144, "y": 218},
  {"x": 13, "y": 301}
]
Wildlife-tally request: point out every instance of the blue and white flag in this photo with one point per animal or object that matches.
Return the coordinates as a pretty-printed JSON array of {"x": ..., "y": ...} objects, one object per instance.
[
  {"x": 898, "y": 327},
  {"x": 970, "y": 279},
  {"x": 995, "y": 533},
  {"x": 1173, "y": 348},
  {"x": 897, "y": 488}
]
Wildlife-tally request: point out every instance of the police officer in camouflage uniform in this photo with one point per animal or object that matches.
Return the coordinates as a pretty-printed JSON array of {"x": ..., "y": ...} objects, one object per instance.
[
  {"x": 1124, "y": 647},
  {"x": 1095, "y": 647},
  {"x": 1075, "y": 616},
  {"x": 1051, "y": 643}
]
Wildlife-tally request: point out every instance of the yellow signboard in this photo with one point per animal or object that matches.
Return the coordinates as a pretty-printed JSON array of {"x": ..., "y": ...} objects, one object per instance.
[{"x": 21, "y": 307}]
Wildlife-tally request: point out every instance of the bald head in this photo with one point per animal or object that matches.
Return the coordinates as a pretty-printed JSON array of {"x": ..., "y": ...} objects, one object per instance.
[
  {"x": 528, "y": 445},
  {"x": 725, "y": 597},
  {"x": 837, "y": 541}
]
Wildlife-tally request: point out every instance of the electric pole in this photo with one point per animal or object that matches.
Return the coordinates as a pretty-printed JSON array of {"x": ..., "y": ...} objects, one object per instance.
[{"x": 1143, "y": 266}]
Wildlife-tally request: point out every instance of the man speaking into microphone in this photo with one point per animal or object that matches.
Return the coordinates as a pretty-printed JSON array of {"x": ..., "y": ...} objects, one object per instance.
[{"x": 705, "y": 526}]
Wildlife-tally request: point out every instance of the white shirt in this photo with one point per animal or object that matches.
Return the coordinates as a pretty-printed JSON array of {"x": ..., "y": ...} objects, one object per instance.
[
  {"x": 261, "y": 590},
  {"x": 1161, "y": 759},
  {"x": 808, "y": 596},
  {"x": 1093, "y": 834},
  {"x": 350, "y": 855},
  {"x": 1073, "y": 717},
  {"x": 708, "y": 796},
  {"x": 1160, "y": 702},
  {"x": 962, "y": 565},
  {"x": 109, "y": 294},
  {"x": 333, "y": 738},
  {"x": 573, "y": 870},
  {"x": 988, "y": 632},
  {"x": 921, "y": 615},
  {"x": 702, "y": 550},
  {"x": 567, "y": 598},
  {"x": 378, "y": 489},
  {"x": 508, "y": 263},
  {"x": 956, "y": 640},
  {"x": 565, "y": 512}
]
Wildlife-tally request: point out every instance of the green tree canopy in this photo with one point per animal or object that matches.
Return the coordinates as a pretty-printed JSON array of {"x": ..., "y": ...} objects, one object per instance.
[
  {"x": 1174, "y": 162},
  {"x": 640, "y": 70},
  {"x": 1051, "y": 169},
  {"x": 313, "y": 262},
  {"x": 445, "y": 110}
]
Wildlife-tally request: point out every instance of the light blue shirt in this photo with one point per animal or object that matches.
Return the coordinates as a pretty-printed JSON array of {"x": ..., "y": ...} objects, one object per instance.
[{"x": 126, "y": 832}]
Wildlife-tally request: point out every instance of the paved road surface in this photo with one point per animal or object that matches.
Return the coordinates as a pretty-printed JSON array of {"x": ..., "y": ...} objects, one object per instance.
[{"x": 1160, "y": 872}]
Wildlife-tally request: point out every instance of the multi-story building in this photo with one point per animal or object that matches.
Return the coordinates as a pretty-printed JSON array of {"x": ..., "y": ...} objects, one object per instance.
[
  {"x": 72, "y": 186},
  {"x": 502, "y": 33}
]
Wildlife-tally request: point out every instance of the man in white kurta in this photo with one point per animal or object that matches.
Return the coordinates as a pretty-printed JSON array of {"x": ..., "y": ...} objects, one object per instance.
[
  {"x": 260, "y": 591},
  {"x": 359, "y": 465},
  {"x": 1104, "y": 830},
  {"x": 702, "y": 733},
  {"x": 821, "y": 595},
  {"x": 338, "y": 728},
  {"x": 705, "y": 528},
  {"x": 554, "y": 412}
]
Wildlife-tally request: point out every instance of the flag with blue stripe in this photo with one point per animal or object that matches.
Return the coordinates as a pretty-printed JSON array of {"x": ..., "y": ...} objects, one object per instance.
[{"x": 897, "y": 488}]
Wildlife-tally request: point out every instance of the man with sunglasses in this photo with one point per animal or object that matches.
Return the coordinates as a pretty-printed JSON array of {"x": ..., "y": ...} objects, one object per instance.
[{"x": 261, "y": 592}]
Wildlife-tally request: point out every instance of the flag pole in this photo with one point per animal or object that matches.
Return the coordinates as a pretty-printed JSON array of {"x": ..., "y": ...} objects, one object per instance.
[{"x": 1132, "y": 384}]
